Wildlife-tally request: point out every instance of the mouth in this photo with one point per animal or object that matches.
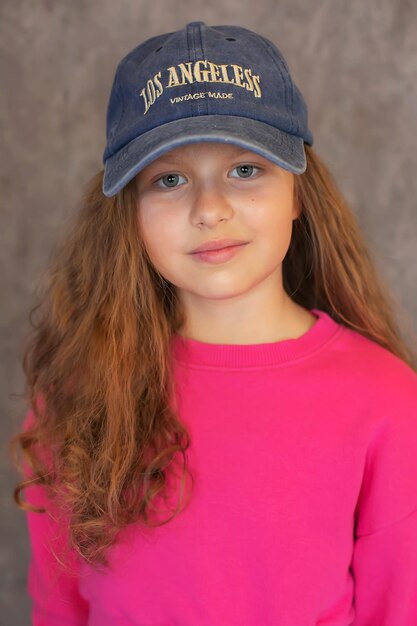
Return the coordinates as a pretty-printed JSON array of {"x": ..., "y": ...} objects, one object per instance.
[
  {"x": 220, "y": 255},
  {"x": 220, "y": 244}
]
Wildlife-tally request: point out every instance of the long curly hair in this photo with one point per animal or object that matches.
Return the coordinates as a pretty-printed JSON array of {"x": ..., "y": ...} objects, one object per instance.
[{"x": 105, "y": 434}]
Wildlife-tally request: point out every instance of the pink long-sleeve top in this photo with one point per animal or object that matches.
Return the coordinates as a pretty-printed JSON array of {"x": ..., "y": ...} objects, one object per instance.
[{"x": 304, "y": 505}]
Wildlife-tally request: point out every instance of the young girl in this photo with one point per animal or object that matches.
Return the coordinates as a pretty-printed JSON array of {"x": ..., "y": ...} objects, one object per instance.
[{"x": 222, "y": 420}]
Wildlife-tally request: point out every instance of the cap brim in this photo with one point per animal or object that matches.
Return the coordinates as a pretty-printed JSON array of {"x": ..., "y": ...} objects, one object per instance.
[{"x": 281, "y": 148}]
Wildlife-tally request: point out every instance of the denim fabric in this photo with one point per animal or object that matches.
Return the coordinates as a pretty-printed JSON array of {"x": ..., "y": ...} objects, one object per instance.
[{"x": 203, "y": 83}]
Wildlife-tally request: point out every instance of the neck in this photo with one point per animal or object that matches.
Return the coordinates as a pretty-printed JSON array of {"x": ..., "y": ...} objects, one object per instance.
[{"x": 288, "y": 321}]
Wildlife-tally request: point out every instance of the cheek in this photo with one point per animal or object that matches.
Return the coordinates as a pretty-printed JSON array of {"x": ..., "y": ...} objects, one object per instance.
[
  {"x": 269, "y": 218},
  {"x": 160, "y": 237},
  {"x": 271, "y": 224}
]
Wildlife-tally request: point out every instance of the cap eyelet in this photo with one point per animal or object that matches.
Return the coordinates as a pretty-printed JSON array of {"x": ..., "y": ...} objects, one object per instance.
[
  {"x": 158, "y": 49},
  {"x": 230, "y": 39}
]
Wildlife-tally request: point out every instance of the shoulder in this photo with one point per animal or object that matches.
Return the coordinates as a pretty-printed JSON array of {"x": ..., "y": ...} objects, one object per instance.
[
  {"x": 386, "y": 362},
  {"x": 384, "y": 391},
  {"x": 386, "y": 380}
]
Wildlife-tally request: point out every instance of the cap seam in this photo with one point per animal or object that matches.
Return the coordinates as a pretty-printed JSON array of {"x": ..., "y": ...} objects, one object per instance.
[
  {"x": 121, "y": 103},
  {"x": 192, "y": 34},
  {"x": 202, "y": 106},
  {"x": 287, "y": 86}
]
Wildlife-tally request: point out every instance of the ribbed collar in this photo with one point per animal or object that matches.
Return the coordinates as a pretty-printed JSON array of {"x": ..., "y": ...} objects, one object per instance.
[{"x": 202, "y": 354}]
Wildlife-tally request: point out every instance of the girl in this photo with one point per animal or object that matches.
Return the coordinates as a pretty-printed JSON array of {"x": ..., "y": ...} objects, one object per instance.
[{"x": 222, "y": 423}]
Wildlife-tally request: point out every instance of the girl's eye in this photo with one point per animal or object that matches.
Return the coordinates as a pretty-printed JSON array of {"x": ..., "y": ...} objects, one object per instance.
[
  {"x": 246, "y": 170},
  {"x": 170, "y": 179}
]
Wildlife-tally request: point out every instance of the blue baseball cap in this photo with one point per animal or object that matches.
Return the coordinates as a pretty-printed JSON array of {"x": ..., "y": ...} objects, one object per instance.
[{"x": 203, "y": 83}]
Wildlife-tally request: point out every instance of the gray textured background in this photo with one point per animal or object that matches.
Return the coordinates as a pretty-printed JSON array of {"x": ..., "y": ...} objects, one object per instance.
[{"x": 356, "y": 64}]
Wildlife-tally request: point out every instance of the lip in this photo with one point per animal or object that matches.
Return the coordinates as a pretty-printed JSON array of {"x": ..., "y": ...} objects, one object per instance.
[
  {"x": 218, "y": 244},
  {"x": 221, "y": 255}
]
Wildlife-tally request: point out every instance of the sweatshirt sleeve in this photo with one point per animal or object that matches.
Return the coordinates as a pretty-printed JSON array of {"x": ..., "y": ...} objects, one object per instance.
[
  {"x": 384, "y": 562},
  {"x": 385, "y": 571},
  {"x": 54, "y": 592}
]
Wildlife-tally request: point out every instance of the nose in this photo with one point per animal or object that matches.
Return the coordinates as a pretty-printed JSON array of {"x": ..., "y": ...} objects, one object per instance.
[{"x": 211, "y": 204}]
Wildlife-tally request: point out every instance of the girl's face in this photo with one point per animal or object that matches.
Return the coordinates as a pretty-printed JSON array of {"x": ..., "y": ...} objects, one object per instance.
[{"x": 208, "y": 191}]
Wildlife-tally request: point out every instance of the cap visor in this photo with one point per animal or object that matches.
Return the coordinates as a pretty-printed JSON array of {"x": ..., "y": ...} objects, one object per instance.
[{"x": 281, "y": 148}]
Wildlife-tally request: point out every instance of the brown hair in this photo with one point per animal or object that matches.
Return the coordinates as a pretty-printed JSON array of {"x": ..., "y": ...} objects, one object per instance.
[{"x": 99, "y": 356}]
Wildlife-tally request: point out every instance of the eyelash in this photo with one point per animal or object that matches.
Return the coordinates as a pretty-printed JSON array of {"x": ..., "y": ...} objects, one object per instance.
[{"x": 255, "y": 167}]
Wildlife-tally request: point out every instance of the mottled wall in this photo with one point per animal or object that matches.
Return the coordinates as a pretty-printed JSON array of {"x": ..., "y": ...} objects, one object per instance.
[{"x": 355, "y": 62}]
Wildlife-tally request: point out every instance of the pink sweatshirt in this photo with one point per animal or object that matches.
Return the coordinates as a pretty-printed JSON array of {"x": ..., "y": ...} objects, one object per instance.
[{"x": 304, "y": 507}]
